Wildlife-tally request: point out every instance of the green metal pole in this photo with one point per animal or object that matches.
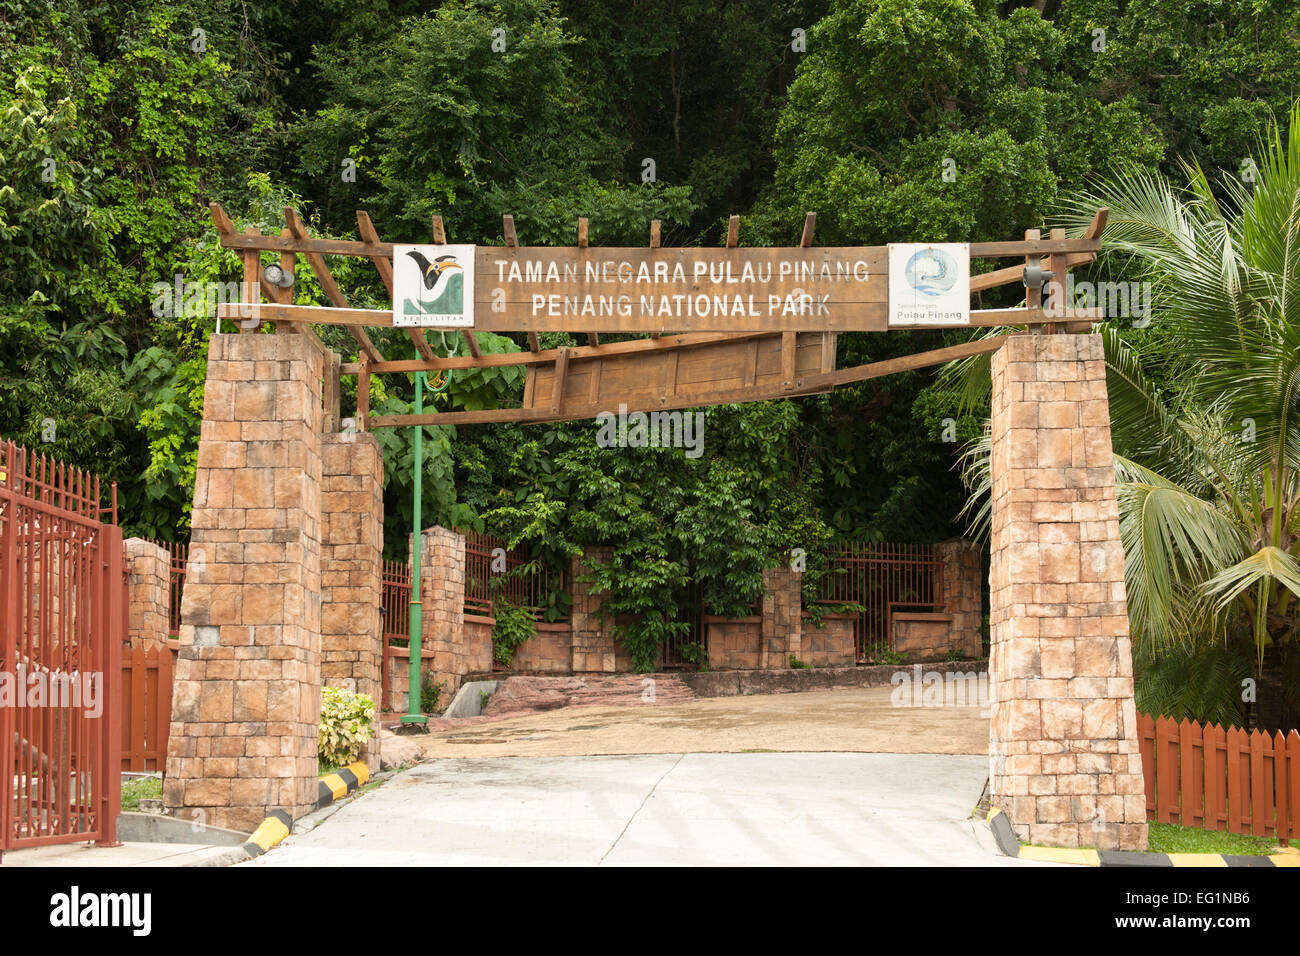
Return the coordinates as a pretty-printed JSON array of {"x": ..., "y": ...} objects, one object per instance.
[{"x": 414, "y": 714}]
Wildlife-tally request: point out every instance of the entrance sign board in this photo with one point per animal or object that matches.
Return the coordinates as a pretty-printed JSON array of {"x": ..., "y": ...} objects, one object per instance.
[
  {"x": 929, "y": 283},
  {"x": 433, "y": 285},
  {"x": 680, "y": 289}
]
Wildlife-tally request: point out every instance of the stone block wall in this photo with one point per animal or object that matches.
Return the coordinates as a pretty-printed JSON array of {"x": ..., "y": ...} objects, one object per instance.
[
  {"x": 734, "y": 643},
  {"x": 246, "y": 698},
  {"x": 148, "y": 593},
  {"x": 594, "y": 650},
  {"x": 352, "y": 521},
  {"x": 963, "y": 594},
  {"x": 442, "y": 594},
  {"x": 830, "y": 645},
  {"x": 477, "y": 650},
  {"x": 922, "y": 635},
  {"x": 782, "y": 625},
  {"x": 549, "y": 651},
  {"x": 1063, "y": 742}
]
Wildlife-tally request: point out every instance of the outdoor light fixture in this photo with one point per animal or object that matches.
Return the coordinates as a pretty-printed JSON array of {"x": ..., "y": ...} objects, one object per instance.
[
  {"x": 1036, "y": 276},
  {"x": 277, "y": 275}
]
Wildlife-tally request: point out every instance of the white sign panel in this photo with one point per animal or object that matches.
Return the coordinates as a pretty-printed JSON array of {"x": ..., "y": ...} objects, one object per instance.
[
  {"x": 929, "y": 284},
  {"x": 433, "y": 286}
]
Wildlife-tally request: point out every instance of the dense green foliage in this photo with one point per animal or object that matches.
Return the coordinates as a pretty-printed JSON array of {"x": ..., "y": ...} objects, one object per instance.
[{"x": 893, "y": 119}]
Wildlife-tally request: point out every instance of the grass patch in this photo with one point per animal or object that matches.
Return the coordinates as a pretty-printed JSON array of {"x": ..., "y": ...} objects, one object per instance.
[
  {"x": 1171, "y": 838},
  {"x": 140, "y": 788}
]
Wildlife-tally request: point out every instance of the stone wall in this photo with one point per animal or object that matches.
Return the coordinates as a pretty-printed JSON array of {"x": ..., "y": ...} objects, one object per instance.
[
  {"x": 594, "y": 650},
  {"x": 148, "y": 593},
  {"x": 781, "y": 627},
  {"x": 442, "y": 587},
  {"x": 246, "y": 699},
  {"x": 1063, "y": 743},
  {"x": 922, "y": 635},
  {"x": 549, "y": 651},
  {"x": 963, "y": 594},
  {"x": 734, "y": 643},
  {"x": 477, "y": 648},
  {"x": 830, "y": 645},
  {"x": 352, "y": 504}
]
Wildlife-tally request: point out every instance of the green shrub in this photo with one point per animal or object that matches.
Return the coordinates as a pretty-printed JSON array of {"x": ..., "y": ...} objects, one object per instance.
[
  {"x": 430, "y": 693},
  {"x": 514, "y": 626},
  {"x": 347, "y": 721}
]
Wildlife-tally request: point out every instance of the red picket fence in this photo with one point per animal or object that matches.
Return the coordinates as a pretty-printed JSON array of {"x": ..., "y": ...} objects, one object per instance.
[
  {"x": 147, "y": 706},
  {"x": 1216, "y": 779}
]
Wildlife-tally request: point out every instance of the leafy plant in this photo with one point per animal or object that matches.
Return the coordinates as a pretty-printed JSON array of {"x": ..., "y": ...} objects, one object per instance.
[
  {"x": 347, "y": 722},
  {"x": 430, "y": 692},
  {"x": 797, "y": 664},
  {"x": 513, "y": 626}
]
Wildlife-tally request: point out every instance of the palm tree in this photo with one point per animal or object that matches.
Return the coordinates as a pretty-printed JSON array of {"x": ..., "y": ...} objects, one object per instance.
[{"x": 1206, "y": 429}]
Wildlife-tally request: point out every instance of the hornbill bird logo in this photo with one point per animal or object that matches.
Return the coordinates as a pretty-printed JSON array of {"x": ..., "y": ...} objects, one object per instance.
[{"x": 435, "y": 273}]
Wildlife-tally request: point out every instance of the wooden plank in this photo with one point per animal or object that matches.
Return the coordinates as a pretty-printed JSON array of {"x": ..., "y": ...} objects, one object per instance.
[
  {"x": 787, "y": 360},
  {"x": 809, "y": 225},
  {"x": 363, "y": 395},
  {"x": 869, "y": 317},
  {"x": 654, "y": 233},
  {"x": 733, "y": 232},
  {"x": 558, "y": 380},
  {"x": 332, "y": 291},
  {"x": 582, "y": 233},
  {"x": 906, "y": 363},
  {"x": 351, "y": 247},
  {"x": 439, "y": 231},
  {"x": 829, "y": 340},
  {"x": 508, "y": 230},
  {"x": 252, "y": 280},
  {"x": 492, "y": 360}
]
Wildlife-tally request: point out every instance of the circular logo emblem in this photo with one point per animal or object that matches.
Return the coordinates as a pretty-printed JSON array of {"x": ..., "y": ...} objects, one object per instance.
[{"x": 931, "y": 272}]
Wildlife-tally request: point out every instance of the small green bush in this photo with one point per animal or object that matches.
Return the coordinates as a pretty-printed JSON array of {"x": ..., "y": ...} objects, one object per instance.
[
  {"x": 347, "y": 721},
  {"x": 514, "y": 626}
]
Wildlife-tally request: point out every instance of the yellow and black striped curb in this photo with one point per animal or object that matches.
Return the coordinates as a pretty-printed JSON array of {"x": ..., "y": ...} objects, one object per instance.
[
  {"x": 337, "y": 785},
  {"x": 269, "y": 832},
  {"x": 1008, "y": 845},
  {"x": 331, "y": 787}
]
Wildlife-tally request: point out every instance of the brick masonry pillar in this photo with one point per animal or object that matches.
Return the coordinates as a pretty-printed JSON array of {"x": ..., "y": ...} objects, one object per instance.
[
  {"x": 781, "y": 628},
  {"x": 593, "y": 648},
  {"x": 148, "y": 593},
  {"x": 352, "y": 526},
  {"x": 1063, "y": 742},
  {"x": 246, "y": 699},
  {"x": 442, "y": 587},
  {"x": 962, "y": 597}
]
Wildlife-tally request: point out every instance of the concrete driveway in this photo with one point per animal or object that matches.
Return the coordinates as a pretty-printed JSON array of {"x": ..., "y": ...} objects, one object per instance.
[{"x": 661, "y": 809}]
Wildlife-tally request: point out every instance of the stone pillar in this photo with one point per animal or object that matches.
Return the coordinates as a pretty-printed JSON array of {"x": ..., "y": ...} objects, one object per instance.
[
  {"x": 1063, "y": 742},
  {"x": 442, "y": 589},
  {"x": 594, "y": 650},
  {"x": 352, "y": 546},
  {"x": 781, "y": 629},
  {"x": 148, "y": 593},
  {"x": 962, "y": 597},
  {"x": 246, "y": 700}
]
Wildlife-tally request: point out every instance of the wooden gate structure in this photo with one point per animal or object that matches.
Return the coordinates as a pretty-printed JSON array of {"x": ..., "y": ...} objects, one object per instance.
[
  {"x": 62, "y": 624},
  {"x": 695, "y": 327}
]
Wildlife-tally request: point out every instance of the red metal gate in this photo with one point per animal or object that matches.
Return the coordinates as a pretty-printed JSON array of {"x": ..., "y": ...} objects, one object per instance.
[
  {"x": 62, "y": 623},
  {"x": 881, "y": 578}
]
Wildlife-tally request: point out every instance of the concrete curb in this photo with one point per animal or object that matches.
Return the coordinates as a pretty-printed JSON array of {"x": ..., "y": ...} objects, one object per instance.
[
  {"x": 278, "y": 824},
  {"x": 1008, "y": 845},
  {"x": 337, "y": 785}
]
